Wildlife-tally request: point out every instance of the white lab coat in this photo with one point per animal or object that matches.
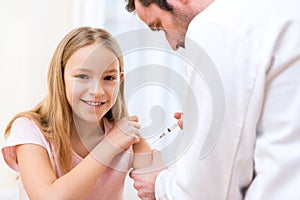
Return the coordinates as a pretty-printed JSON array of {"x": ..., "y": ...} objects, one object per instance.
[{"x": 255, "y": 46}]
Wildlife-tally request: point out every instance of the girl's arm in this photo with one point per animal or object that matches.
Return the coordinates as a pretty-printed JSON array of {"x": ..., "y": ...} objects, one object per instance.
[
  {"x": 142, "y": 154},
  {"x": 40, "y": 180}
]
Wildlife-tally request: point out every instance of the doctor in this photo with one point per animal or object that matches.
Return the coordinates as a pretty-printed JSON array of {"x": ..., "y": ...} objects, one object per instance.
[{"x": 255, "y": 46}]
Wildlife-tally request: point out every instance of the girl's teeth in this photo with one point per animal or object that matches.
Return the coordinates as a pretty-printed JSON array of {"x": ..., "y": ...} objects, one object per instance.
[{"x": 94, "y": 103}]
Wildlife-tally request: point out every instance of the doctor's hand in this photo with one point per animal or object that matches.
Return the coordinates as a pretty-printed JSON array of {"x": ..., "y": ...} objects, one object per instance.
[
  {"x": 179, "y": 115},
  {"x": 144, "y": 179}
]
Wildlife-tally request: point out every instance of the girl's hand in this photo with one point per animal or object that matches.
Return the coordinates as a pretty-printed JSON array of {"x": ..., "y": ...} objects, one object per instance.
[
  {"x": 122, "y": 135},
  {"x": 125, "y": 132},
  {"x": 179, "y": 115}
]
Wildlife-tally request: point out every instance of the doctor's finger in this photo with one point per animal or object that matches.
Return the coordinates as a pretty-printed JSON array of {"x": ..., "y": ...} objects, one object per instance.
[
  {"x": 178, "y": 115},
  {"x": 146, "y": 195},
  {"x": 135, "y": 175},
  {"x": 132, "y": 174}
]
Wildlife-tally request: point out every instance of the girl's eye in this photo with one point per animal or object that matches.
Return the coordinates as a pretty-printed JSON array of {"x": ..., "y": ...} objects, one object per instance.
[
  {"x": 82, "y": 76},
  {"x": 109, "y": 78}
]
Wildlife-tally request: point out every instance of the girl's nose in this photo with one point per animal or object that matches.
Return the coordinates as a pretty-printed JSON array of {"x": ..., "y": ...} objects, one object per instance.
[{"x": 97, "y": 90}]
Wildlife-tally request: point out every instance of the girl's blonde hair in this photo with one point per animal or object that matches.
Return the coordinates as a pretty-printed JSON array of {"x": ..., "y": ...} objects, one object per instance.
[{"x": 53, "y": 115}]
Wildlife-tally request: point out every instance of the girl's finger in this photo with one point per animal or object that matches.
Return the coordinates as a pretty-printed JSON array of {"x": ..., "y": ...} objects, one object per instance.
[
  {"x": 133, "y": 118},
  {"x": 135, "y": 125}
]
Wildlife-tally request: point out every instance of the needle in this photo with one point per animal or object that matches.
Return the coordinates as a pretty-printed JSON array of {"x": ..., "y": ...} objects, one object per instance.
[{"x": 166, "y": 132}]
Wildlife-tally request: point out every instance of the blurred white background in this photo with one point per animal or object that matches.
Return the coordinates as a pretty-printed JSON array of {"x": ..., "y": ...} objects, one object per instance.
[{"x": 30, "y": 31}]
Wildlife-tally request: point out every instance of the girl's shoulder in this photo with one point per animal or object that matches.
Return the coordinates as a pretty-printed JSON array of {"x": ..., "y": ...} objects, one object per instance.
[
  {"x": 25, "y": 127},
  {"x": 23, "y": 131},
  {"x": 24, "y": 122}
]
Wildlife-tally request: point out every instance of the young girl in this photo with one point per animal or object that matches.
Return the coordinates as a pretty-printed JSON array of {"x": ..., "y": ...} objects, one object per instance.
[{"x": 77, "y": 142}]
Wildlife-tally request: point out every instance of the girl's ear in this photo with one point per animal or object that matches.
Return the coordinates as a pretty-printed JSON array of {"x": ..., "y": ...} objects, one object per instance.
[{"x": 121, "y": 76}]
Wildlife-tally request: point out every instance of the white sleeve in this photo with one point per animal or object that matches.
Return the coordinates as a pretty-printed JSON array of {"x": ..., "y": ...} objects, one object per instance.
[
  {"x": 183, "y": 180},
  {"x": 277, "y": 157}
]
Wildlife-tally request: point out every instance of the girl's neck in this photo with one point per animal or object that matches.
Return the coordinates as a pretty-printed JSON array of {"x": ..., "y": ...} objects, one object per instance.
[
  {"x": 85, "y": 136},
  {"x": 87, "y": 129}
]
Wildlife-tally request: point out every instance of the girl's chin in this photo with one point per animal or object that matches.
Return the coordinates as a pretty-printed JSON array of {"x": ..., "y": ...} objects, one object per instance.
[
  {"x": 91, "y": 120},
  {"x": 95, "y": 119},
  {"x": 90, "y": 117}
]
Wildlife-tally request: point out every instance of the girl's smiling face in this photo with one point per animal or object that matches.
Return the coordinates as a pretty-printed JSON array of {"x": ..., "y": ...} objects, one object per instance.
[{"x": 92, "y": 77}]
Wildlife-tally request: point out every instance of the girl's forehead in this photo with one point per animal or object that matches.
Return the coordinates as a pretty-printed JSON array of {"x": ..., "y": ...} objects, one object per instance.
[
  {"x": 93, "y": 68},
  {"x": 92, "y": 56},
  {"x": 101, "y": 62},
  {"x": 100, "y": 54}
]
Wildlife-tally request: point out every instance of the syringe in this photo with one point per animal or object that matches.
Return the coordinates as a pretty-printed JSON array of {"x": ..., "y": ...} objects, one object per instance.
[{"x": 172, "y": 127}]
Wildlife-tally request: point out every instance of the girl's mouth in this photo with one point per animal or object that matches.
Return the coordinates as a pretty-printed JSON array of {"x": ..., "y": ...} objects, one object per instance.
[{"x": 93, "y": 103}]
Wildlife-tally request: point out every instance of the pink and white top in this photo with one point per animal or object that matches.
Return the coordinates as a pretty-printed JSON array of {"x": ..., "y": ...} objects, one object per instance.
[{"x": 109, "y": 186}]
